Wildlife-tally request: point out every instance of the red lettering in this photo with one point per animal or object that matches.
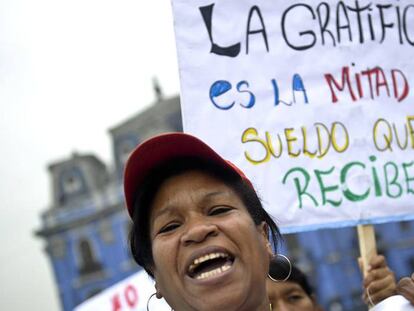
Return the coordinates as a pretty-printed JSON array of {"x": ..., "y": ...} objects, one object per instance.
[
  {"x": 131, "y": 296},
  {"x": 404, "y": 93},
  {"x": 116, "y": 303},
  {"x": 340, "y": 86},
  {"x": 381, "y": 81},
  {"x": 359, "y": 85},
  {"x": 376, "y": 79},
  {"x": 369, "y": 73}
]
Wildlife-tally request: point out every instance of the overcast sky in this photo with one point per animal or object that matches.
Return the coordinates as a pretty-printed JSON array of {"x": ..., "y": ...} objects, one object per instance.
[{"x": 69, "y": 70}]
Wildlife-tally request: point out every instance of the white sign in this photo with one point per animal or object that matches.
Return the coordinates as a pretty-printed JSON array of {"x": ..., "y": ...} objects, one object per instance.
[
  {"x": 394, "y": 303},
  {"x": 130, "y": 294},
  {"x": 313, "y": 100}
]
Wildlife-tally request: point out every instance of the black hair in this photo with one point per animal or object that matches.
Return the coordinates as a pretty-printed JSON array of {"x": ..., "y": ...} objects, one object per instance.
[
  {"x": 279, "y": 269},
  {"x": 140, "y": 241}
]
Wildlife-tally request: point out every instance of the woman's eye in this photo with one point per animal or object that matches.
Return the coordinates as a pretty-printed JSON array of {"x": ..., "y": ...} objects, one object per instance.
[
  {"x": 295, "y": 297},
  {"x": 168, "y": 228},
  {"x": 219, "y": 210}
]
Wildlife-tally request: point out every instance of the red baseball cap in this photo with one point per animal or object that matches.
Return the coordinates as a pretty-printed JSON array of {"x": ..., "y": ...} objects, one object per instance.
[{"x": 158, "y": 150}]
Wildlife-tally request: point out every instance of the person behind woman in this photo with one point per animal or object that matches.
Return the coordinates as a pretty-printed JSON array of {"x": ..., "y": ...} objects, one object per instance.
[
  {"x": 296, "y": 294},
  {"x": 199, "y": 228},
  {"x": 289, "y": 290},
  {"x": 379, "y": 283}
]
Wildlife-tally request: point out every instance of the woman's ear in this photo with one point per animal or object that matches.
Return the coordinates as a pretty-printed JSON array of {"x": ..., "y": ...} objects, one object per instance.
[
  {"x": 269, "y": 249},
  {"x": 158, "y": 293},
  {"x": 264, "y": 228}
]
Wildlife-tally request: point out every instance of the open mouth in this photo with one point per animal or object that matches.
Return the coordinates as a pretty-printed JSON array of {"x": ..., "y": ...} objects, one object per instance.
[{"x": 210, "y": 265}]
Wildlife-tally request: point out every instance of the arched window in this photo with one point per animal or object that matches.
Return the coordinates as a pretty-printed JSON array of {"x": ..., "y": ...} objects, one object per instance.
[
  {"x": 88, "y": 262},
  {"x": 72, "y": 184}
]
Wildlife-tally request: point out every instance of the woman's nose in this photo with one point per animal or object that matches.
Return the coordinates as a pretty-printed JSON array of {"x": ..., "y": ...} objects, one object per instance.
[{"x": 198, "y": 231}]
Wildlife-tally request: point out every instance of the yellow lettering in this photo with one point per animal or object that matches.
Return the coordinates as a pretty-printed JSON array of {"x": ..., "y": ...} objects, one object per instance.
[
  {"x": 270, "y": 145},
  {"x": 305, "y": 145},
  {"x": 334, "y": 137},
  {"x": 251, "y": 131},
  {"x": 387, "y": 139},
  {"x": 322, "y": 152},
  {"x": 290, "y": 139},
  {"x": 411, "y": 128}
]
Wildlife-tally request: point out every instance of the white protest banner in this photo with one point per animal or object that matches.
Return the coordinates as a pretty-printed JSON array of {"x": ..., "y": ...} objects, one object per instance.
[
  {"x": 394, "y": 303},
  {"x": 313, "y": 100},
  {"x": 130, "y": 294}
]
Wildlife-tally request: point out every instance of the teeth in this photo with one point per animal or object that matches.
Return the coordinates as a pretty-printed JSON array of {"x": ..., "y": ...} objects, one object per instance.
[
  {"x": 205, "y": 258},
  {"x": 214, "y": 272}
]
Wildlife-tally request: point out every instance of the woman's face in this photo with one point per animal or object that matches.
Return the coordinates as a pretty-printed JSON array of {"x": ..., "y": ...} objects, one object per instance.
[
  {"x": 208, "y": 253},
  {"x": 289, "y": 296}
]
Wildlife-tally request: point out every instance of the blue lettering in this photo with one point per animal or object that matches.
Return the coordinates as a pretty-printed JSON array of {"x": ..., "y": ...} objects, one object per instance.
[{"x": 217, "y": 89}]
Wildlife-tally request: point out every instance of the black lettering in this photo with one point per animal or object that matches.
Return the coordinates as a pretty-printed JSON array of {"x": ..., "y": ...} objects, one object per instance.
[
  {"x": 341, "y": 8},
  {"x": 302, "y": 33},
  {"x": 384, "y": 25},
  {"x": 323, "y": 25},
  {"x": 357, "y": 10},
  {"x": 261, "y": 30},
  {"x": 405, "y": 24},
  {"x": 231, "y": 51}
]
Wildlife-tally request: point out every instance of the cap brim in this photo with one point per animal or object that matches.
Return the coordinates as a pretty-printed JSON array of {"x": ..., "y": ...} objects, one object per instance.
[{"x": 158, "y": 150}]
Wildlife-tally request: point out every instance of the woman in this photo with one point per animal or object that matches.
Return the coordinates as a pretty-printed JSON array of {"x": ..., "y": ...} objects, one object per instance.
[{"x": 198, "y": 226}]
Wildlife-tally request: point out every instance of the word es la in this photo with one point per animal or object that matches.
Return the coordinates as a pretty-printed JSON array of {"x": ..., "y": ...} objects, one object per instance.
[{"x": 220, "y": 87}]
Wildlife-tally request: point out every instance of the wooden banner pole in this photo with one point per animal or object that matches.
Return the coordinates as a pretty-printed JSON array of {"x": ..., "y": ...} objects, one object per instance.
[{"x": 367, "y": 246}]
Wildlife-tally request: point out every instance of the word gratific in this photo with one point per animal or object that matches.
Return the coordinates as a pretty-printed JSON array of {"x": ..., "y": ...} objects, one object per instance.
[
  {"x": 391, "y": 180},
  {"x": 327, "y": 25}
]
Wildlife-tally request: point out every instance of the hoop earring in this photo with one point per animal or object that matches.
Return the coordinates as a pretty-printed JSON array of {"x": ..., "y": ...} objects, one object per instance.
[
  {"x": 149, "y": 299},
  {"x": 274, "y": 279}
]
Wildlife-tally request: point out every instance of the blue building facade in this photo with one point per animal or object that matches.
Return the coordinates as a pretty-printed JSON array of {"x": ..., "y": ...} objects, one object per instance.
[{"x": 86, "y": 228}]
